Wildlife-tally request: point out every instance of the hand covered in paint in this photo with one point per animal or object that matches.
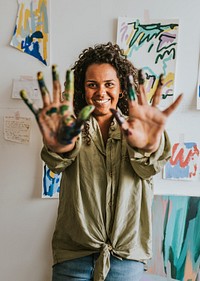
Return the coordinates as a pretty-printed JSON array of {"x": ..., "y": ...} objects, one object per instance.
[
  {"x": 56, "y": 119},
  {"x": 146, "y": 123}
]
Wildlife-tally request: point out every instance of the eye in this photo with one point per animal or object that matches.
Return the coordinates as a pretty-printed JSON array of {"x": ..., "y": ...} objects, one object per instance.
[
  {"x": 91, "y": 85},
  {"x": 109, "y": 84}
]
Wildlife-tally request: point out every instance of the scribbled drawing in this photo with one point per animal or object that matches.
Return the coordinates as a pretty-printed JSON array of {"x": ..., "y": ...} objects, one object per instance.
[
  {"x": 31, "y": 33},
  {"x": 176, "y": 237},
  {"x": 153, "y": 48},
  {"x": 183, "y": 163},
  {"x": 51, "y": 183}
]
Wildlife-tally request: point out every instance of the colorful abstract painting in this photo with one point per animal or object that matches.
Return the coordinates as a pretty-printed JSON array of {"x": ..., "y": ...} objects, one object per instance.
[
  {"x": 184, "y": 162},
  {"x": 153, "y": 48},
  {"x": 50, "y": 184},
  {"x": 31, "y": 33},
  {"x": 176, "y": 237}
]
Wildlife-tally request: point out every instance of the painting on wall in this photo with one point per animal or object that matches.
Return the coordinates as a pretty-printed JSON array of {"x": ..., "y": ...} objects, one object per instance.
[
  {"x": 31, "y": 33},
  {"x": 176, "y": 237},
  {"x": 184, "y": 162},
  {"x": 152, "y": 47},
  {"x": 50, "y": 183}
]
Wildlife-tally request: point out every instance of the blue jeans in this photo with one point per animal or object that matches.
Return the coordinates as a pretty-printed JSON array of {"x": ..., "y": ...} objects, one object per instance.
[{"x": 81, "y": 269}]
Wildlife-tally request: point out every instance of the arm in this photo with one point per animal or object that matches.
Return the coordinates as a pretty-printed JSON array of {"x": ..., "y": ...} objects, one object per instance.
[{"x": 58, "y": 162}]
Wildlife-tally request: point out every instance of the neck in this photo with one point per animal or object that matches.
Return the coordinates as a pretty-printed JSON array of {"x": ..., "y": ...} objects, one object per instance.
[{"x": 104, "y": 124}]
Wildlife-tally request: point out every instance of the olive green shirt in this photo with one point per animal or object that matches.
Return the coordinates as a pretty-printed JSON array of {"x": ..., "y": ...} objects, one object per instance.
[{"x": 105, "y": 198}]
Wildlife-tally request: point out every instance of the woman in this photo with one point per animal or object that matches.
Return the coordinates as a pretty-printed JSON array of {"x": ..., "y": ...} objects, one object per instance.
[{"x": 103, "y": 229}]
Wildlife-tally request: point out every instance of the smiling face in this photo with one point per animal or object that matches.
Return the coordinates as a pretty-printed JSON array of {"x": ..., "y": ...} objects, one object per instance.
[{"x": 102, "y": 88}]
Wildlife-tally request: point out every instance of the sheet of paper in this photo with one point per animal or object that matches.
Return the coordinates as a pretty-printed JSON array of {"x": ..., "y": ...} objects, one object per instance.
[
  {"x": 29, "y": 85},
  {"x": 17, "y": 129},
  {"x": 31, "y": 33},
  {"x": 50, "y": 183},
  {"x": 151, "y": 46},
  {"x": 184, "y": 162}
]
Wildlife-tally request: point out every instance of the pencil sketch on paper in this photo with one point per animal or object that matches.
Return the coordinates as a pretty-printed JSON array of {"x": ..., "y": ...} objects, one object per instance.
[
  {"x": 17, "y": 129},
  {"x": 31, "y": 33},
  {"x": 153, "y": 48},
  {"x": 184, "y": 162},
  {"x": 50, "y": 184}
]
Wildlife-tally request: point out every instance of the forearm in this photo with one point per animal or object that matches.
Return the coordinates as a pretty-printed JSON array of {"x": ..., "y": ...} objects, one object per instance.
[
  {"x": 58, "y": 162},
  {"x": 59, "y": 148}
]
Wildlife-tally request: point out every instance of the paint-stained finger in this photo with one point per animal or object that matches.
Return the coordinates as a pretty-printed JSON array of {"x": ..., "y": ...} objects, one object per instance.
[
  {"x": 121, "y": 121},
  {"x": 142, "y": 99},
  {"x": 70, "y": 127},
  {"x": 69, "y": 87},
  {"x": 85, "y": 113},
  {"x": 119, "y": 118},
  {"x": 158, "y": 93},
  {"x": 56, "y": 84},
  {"x": 132, "y": 95},
  {"x": 29, "y": 103},
  {"x": 173, "y": 106},
  {"x": 44, "y": 91}
]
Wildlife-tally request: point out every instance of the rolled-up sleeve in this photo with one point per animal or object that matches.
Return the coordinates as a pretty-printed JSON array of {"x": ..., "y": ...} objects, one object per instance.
[
  {"x": 146, "y": 164},
  {"x": 57, "y": 163}
]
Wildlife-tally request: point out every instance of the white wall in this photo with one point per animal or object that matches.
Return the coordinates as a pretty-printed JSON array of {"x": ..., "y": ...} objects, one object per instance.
[{"x": 26, "y": 220}]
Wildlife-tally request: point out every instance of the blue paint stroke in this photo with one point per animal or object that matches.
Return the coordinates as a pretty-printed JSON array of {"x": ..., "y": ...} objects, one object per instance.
[{"x": 33, "y": 48}]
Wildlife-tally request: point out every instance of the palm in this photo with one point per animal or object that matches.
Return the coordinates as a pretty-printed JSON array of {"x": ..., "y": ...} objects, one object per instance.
[
  {"x": 146, "y": 128},
  {"x": 146, "y": 123},
  {"x": 56, "y": 119}
]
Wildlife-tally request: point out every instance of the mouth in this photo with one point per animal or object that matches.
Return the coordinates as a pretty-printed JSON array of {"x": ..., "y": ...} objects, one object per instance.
[{"x": 102, "y": 101}]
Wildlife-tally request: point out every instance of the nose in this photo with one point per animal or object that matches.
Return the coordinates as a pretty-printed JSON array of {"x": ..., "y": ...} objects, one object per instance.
[{"x": 102, "y": 90}]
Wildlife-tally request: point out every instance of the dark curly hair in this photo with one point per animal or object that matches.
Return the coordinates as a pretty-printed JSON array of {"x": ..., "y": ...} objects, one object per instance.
[{"x": 102, "y": 53}]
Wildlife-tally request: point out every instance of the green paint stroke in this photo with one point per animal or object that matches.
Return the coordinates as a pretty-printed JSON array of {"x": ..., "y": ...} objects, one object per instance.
[{"x": 63, "y": 109}]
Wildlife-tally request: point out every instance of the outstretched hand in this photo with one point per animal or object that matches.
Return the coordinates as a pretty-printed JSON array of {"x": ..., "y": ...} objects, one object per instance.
[
  {"x": 56, "y": 119},
  {"x": 146, "y": 123}
]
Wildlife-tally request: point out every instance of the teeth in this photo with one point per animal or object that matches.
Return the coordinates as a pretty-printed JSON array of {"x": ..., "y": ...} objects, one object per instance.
[{"x": 102, "y": 101}]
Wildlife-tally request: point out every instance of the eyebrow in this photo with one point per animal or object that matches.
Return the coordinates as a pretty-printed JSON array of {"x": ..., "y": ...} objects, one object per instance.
[{"x": 109, "y": 80}]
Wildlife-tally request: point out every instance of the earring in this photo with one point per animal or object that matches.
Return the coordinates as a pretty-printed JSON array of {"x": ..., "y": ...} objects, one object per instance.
[{"x": 121, "y": 95}]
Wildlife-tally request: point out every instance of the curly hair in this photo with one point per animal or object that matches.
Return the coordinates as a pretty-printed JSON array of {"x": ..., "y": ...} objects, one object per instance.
[{"x": 103, "y": 53}]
